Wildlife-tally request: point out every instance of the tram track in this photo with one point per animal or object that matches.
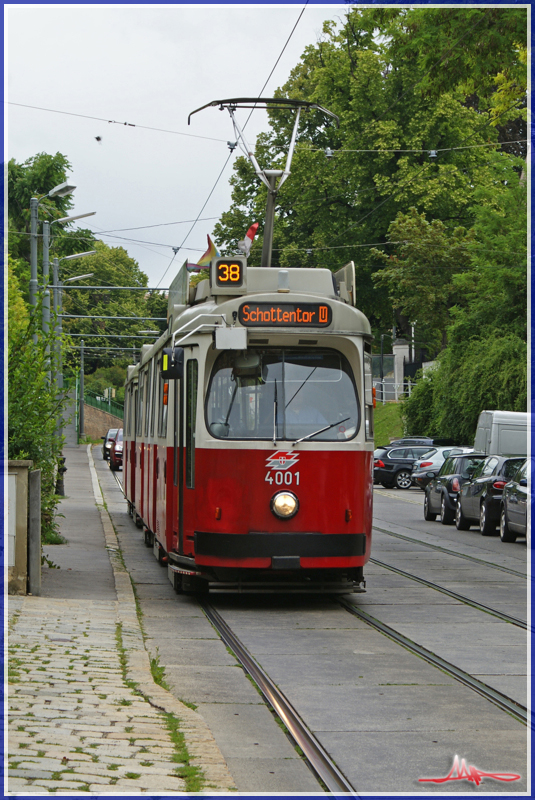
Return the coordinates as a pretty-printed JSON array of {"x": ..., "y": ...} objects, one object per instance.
[
  {"x": 446, "y": 551},
  {"x": 455, "y": 595},
  {"x": 507, "y": 704},
  {"x": 318, "y": 759}
]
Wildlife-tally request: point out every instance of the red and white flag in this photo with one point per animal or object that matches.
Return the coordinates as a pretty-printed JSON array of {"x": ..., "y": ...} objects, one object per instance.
[{"x": 245, "y": 244}]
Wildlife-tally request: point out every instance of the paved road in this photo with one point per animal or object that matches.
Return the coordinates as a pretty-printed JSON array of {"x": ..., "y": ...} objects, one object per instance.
[{"x": 385, "y": 716}]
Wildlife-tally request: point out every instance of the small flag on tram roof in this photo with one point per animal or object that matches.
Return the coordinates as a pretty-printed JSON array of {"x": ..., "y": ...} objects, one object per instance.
[
  {"x": 209, "y": 255},
  {"x": 245, "y": 244}
]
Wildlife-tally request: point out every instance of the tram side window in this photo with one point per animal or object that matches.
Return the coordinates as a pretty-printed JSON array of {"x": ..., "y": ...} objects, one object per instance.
[
  {"x": 147, "y": 399},
  {"x": 284, "y": 394},
  {"x": 191, "y": 419},
  {"x": 127, "y": 412},
  {"x": 162, "y": 408},
  {"x": 154, "y": 390},
  {"x": 133, "y": 400},
  {"x": 368, "y": 394},
  {"x": 139, "y": 415}
]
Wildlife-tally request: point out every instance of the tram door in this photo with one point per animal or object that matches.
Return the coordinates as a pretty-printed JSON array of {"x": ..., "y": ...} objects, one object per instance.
[
  {"x": 147, "y": 449},
  {"x": 185, "y": 420},
  {"x": 132, "y": 445}
]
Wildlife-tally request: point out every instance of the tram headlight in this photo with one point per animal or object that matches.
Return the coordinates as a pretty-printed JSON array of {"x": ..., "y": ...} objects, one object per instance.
[{"x": 285, "y": 505}]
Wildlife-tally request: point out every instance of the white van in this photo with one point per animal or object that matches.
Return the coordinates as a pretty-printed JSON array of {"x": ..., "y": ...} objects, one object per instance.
[{"x": 502, "y": 433}]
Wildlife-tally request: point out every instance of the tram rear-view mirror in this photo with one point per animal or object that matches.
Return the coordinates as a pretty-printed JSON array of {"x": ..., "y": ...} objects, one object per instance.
[
  {"x": 172, "y": 367},
  {"x": 247, "y": 365}
]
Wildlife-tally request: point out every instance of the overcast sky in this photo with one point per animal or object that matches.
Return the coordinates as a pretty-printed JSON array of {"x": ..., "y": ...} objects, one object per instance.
[{"x": 150, "y": 66}]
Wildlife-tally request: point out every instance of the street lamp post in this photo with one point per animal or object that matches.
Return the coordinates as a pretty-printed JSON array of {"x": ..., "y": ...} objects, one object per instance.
[
  {"x": 61, "y": 190},
  {"x": 46, "y": 263},
  {"x": 82, "y": 390},
  {"x": 58, "y": 329}
]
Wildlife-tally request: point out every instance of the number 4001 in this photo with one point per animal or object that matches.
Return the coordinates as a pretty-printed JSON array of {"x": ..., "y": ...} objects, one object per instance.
[{"x": 281, "y": 478}]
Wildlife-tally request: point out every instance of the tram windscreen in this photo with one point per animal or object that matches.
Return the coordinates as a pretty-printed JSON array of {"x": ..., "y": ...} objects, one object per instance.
[{"x": 284, "y": 394}]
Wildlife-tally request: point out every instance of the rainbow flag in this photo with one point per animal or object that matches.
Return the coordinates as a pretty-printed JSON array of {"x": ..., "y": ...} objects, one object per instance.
[{"x": 209, "y": 255}]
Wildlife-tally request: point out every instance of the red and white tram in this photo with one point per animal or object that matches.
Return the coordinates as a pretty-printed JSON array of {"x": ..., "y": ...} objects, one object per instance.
[
  {"x": 248, "y": 434},
  {"x": 248, "y": 454}
]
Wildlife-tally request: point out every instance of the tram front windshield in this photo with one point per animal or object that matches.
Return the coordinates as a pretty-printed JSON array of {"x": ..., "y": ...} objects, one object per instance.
[{"x": 282, "y": 394}]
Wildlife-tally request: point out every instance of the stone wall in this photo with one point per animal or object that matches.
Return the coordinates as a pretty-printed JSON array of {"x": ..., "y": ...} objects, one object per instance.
[{"x": 97, "y": 422}]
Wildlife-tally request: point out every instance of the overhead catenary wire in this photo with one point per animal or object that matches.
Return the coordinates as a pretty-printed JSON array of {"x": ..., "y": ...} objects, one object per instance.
[
  {"x": 426, "y": 149},
  {"x": 115, "y": 122}
]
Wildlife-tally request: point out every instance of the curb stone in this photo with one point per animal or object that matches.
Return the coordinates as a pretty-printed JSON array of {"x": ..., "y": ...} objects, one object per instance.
[{"x": 201, "y": 745}]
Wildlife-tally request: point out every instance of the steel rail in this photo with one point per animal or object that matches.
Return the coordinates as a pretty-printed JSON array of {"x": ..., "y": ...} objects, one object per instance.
[
  {"x": 452, "y": 553},
  {"x": 317, "y": 757},
  {"x": 466, "y": 600},
  {"x": 517, "y": 710},
  {"x": 119, "y": 484}
]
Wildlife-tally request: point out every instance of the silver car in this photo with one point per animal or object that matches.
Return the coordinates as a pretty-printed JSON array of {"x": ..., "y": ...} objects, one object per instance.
[{"x": 428, "y": 466}]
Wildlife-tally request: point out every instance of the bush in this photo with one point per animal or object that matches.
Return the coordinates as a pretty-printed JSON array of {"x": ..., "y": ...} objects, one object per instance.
[{"x": 33, "y": 410}]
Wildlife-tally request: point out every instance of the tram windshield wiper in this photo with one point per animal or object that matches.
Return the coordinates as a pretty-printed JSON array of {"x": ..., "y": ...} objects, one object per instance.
[
  {"x": 326, "y": 428},
  {"x": 299, "y": 389}
]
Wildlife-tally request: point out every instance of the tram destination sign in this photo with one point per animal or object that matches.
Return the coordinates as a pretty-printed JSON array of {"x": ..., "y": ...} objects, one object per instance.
[{"x": 285, "y": 315}]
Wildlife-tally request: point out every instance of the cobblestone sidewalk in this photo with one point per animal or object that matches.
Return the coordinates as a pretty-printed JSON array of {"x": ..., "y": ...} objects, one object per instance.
[
  {"x": 84, "y": 713},
  {"x": 75, "y": 724}
]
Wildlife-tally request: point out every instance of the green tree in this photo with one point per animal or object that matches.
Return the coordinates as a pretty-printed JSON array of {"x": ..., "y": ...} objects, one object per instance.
[
  {"x": 374, "y": 72},
  {"x": 484, "y": 365},
  {"x": 420, "y": 280},
  {"x": 113, "y": 267},
  {"x": 35, "y": 177}
]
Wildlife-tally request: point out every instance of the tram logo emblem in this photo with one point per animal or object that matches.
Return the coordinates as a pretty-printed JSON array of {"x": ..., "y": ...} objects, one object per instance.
[{"x": 282, "y": 459}]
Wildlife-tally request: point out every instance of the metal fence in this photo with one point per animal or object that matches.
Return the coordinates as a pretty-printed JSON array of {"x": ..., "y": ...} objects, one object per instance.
[
  {"x": 109, "y": 405},
  {"x": 387, "y": 390}
]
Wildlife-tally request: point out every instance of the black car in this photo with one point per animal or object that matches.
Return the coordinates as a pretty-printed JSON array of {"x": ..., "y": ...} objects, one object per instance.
[
  {"x": 106, "y": 443},
  {"x": 442, "y": 491},
  {"x": 480, "y": 498},
  {"x": 514, "y": 508},
  {"x": 392, "y": 465}
]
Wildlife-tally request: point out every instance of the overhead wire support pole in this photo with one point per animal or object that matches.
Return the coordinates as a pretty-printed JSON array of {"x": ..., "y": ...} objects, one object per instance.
[{"x": 268, "y": 177}]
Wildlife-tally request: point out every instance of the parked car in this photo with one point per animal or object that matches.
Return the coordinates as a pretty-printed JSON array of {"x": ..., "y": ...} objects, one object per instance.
[
  {"x": 514, "y": 507},
  {"x": 116, "y": 451},
  {"x": 106, "y": 443},
  {"x": 426, "y": 468},
  {"x": 412, "y": 440},
  {"x": 442, "y": 491},
  {"x": 479, "y": 501},
  {"x": 392, "y": 466}
]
